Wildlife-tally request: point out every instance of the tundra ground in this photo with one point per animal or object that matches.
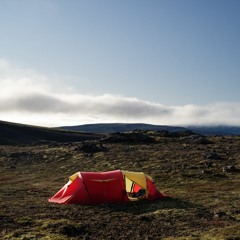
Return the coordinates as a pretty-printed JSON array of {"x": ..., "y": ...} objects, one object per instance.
[{"x": 201, "y": 178}]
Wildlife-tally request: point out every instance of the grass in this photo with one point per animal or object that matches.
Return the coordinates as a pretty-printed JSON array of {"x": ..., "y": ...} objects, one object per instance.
[{"x": 202, "y": 205}]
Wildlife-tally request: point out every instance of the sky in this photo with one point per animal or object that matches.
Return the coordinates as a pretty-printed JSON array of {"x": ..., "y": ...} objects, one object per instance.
[{"x": 171, "y": 62}]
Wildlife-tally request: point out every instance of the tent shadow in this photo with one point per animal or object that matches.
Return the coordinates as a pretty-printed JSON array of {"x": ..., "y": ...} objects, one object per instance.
[{"x": 144, "y": 206}]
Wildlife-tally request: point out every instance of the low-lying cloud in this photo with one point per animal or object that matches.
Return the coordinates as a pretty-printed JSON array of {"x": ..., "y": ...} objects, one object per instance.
[{"x": 28, "y": 97}]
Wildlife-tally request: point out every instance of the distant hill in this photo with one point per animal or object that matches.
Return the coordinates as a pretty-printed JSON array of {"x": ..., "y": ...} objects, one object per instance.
[
  {"x": 13, "y": 133},
  {"x": 121, "y": 127},
  {"x": 126, "y": 127},
  {"x": 216, "y": 130}
]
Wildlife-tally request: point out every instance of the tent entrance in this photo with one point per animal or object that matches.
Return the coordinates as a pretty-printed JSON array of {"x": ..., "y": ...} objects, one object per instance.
[{"x": 136, "y": 185}]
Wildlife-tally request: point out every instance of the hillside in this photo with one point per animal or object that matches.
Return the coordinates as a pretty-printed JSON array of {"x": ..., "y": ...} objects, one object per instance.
[
  {"x": 217, "y": 130},
  {"x": 13, "y": 133},
  {"x": 200, "y": 174},
  {"x": 121, "y": 127},
  {"x": 126, "y": 127}
]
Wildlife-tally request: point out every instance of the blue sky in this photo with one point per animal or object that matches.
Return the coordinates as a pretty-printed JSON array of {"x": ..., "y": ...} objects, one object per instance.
[{"x": 164, "y": 62}]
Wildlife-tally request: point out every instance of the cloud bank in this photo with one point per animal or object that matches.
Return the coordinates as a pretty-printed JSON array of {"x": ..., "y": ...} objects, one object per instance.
[{"x": 29, "y": 97}]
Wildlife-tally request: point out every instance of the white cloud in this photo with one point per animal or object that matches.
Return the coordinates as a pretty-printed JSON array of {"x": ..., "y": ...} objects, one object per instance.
[{"x": 28, "y": 97}]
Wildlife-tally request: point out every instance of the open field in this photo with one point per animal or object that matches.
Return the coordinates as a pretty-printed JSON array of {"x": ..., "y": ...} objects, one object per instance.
[{"x": 204, "y": 200}]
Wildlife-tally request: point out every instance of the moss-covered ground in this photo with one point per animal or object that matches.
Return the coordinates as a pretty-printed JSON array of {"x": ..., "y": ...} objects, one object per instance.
[{"x": 204, "y": 200}]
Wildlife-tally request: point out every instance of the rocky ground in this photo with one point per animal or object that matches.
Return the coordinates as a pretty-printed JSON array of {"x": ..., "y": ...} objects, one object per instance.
[{"x": 200, "y": 174}]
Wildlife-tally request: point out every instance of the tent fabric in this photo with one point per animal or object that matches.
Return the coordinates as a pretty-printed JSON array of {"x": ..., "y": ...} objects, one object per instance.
[
  {"x": 106, "y": 187},
  {"x": 138, "y": 177}
]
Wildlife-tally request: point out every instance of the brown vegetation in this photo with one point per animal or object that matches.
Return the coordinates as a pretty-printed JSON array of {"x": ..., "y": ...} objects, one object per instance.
[{"x": 193, "y": 170}]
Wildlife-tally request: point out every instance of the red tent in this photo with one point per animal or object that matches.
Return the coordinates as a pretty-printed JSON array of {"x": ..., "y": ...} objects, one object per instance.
[{"x": 107, "y": 187}]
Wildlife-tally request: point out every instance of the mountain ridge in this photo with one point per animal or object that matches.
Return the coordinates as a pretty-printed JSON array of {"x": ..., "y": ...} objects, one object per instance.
[
  {"x": 125, "y": 127},
  {"x": 15, "y": 133},
  {"x": 121, "y": 127}
]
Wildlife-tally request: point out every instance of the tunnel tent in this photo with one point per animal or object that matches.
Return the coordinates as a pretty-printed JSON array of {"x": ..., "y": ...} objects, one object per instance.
[{"x": 107, "y": 187}]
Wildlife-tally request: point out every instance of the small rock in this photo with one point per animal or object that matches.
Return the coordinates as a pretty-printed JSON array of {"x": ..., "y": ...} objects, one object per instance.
[
  {"x": 88, "y": 155},
  {"x": 202, "y": 140},
  {"x": 209, "y": 164},
  {"x": 88, "y": 147},
  {"x": 220, "y": 214},
  {"x": 213, "y": 156},
  {"x": 230, "y": 168}
]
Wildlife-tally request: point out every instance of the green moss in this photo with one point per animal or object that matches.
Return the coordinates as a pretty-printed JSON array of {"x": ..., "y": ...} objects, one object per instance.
[{"x": 226, "y": 233}]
